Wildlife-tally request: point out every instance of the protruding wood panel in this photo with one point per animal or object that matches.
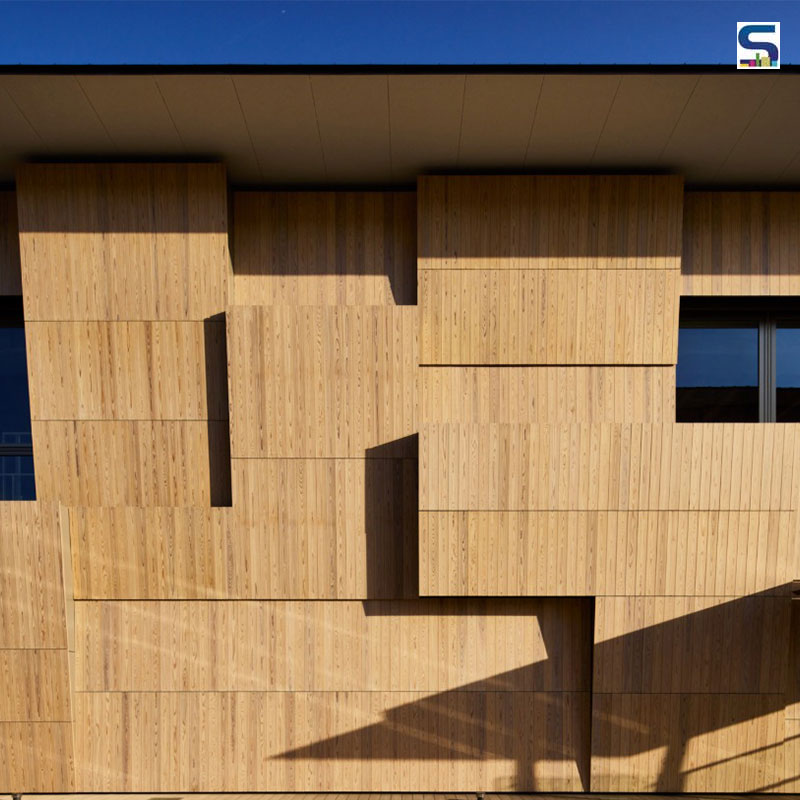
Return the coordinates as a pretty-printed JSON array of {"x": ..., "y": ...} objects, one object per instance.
[
  {"x": 547, "y": 394},
  {"x": 324, "y": 248},
  {"x": 685, "y": 553},
  {"x": 10, "y": 278},
  {"x": 128, "y": 463},
  {"x": 321, "y": 381},
  {"x": 741, "y": 243},
  {"x": 691, "y": 645},
  {"x": 508, "y": 467},
  {"x": 36, "y": 756},
  {"x": 312, "y": 741},
  {"x": 126, "y": 370},
  {"x": 35, "y": 686},
  {"x": 550, "y": 222},
  {"x": 123, "y": 241},
  {"x": 425, "y": 646},
  {"x": 687, "y": 742},
  {"x": 548, "y": 316}
]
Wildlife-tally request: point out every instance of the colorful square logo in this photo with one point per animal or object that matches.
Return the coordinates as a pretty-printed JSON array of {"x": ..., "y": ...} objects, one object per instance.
[{"x": 758, "y": 45}]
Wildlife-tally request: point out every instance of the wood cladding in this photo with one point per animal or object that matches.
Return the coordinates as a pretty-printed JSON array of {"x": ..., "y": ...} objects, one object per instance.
[
  {"x": 37, "y": 756},
  {"x": 128, "y": 241},
  {"x": 548, "y": 316},
  {"x": 321, "y": 381},
  {"x": 324, "y": 248},
  {"x": 652, "y": 553},
  {"x": 636, "y": 466},
  {"x": 741, "y": 243},
  {"x": 36, "y": 686},
  {"x": 377, "y": 646},
  {"x": 10, "y": 278},
  {"x": 126, "y": 370},
  {"x": 546, "y": 394}
]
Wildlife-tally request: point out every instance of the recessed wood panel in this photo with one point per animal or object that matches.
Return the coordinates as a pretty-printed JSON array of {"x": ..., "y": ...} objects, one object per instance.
[
  {"x": 10, "y": 278},
  {"x": 425, "y": 646},
  {"x": 556, "y": 553},
  {"x": 547, "y": 394},
  {"x": 36, "y": 756},
  {"x": 313, "y": 741},
  {"x": 123, "y": 241},
  {"x": 126, "y": 370},
  {"x": 111, "y": 463},
  {"x": 741, "y": 243},
  {"x": 324, "y": 248},
  {"x": 35, "y": 686},
  {"x": 321, "y": 382},
  {"x": 517, "y": 467},
  {"x": 548, "y": 316}
]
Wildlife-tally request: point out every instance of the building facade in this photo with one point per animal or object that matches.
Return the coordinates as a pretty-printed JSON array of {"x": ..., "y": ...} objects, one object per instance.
[{"x": 399, "y": 489}]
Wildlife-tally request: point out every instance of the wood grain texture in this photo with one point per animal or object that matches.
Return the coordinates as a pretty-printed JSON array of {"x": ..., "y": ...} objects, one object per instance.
[
  {"x": 123, "y": 241},
  {"x": 637, "y": 466},
  {"x": 127, "y": 463},
  {"x": 602, "y": 553},
  {"x": 741, "y": 243},
  {"x": 324, "y": 248},
  {"x": 310, "y": 741},
  {"x": 36, "y": 756},
  {"x": 321, "y": 382},
  {"x": 336, "y": 646},
  {"x": 10, "y": 277},
  {"x": 35, "y": 686},
  {"x": 126, "y": 370},
  {"x": 548, "y": 316},
  {"x": 546, "y": 394}
]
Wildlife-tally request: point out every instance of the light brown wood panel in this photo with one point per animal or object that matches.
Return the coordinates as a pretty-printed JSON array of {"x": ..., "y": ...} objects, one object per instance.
[
  {"x": 324, "y": 248},
  {"x": 687, "y": 742},
  {"x": 557, "y": 553},
  {"x": 322, "y": 382},
  {"x": 10, "y": 278},
  {"x": 547, "y": 394},
  {"x": 126, "y": 370},
  {"x": 108, "y": 463},
  {"x": 34, "y": 686},
  {"x": 123, "y": 241},
  {"x": 791, "y": 747},
  {"x": 606, "y": 466},
  {"x": 741, "y": 243},
  {"x": 36, "y": 756},
  {"x": 31, "y": 580},
  {"x": 548, "y": 316},
  {"x": 330, "y": 741},
  {"x": 691, "y": 644},
  {"x": 422, "y": 645},
  {"x": 550, "y": 222}
]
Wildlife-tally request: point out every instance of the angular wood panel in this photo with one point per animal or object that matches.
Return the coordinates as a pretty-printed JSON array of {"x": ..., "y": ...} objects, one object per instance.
[
  {"x": 36, "y": 756},
  {"x": 741, "y": 243},
  {"x": 123, "y": 241},
  {"x": 35, "y": 686},
  {"x": 321, "y": 382},
  {"x": 324, "y": 248}
]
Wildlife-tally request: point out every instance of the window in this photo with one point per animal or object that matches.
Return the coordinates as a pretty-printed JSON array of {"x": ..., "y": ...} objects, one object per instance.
[
  {"x": 16, "y": 451},
  {"x": 738, "y": 360}
]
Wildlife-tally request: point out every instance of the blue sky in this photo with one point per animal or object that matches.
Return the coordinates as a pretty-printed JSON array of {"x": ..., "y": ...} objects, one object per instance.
[{"x": 373, "y": 32}]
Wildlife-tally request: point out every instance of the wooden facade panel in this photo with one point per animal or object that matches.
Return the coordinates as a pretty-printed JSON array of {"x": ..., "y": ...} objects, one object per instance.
[
  {"x": 741, "y": 243},
  {"x": 108, "y": 463},
  {"x": 324, "y": 248},
  {"x": 550, "y": 222},
  {"x": 330, "y": 741},
  {"x": 126, "y": 370},
  {"x": 602, "y": 553},
  {"x": 36, "y": 756},
  {"x": 791, "y": 757},
  {"x": 422, "y": 646},
  {"x": 691, "y": 645},
  {"x": 123, "y": 241},
  {"x": 546, "y": 316},
  {"x": 10, "y": 277},
  {"x": 34, "y": 686},
  {"x": 687, "y": 742},
  {"x": 322, "y": 382},
  {"x": 513, "y": 467},
  {"x": 31, "y": 578},
  {"x": 546, "y": 394}
]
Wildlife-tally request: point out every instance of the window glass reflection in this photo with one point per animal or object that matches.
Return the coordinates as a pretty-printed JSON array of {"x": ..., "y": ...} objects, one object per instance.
[
  {"x": 15, "y": 415},
  {"x": 787, "y": 363}
]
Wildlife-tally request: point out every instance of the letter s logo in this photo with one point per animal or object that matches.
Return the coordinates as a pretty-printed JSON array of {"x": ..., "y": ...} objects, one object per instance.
[{"x": 746, "y": 42}]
